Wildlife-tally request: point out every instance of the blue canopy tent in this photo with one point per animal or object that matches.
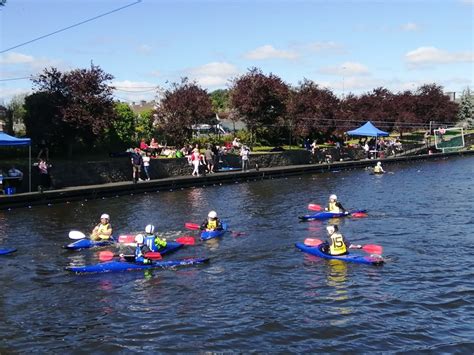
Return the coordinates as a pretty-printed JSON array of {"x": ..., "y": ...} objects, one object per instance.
[
  {"x": 9, "y": 141},
  {"x": 368, "y": 130}
]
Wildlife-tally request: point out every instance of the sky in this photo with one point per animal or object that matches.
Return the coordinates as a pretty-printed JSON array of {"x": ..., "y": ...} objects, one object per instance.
[{"x": 348, "y": 46}]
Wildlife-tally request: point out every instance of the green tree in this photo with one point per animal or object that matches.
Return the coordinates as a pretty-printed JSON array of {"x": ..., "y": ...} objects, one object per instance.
[
  {"x": 144, "y": 126},
  {"x": 220, "y": 100},
  {"x": 466, "y": 108},
  {"x": 16, "y": 111},
  {"x": 122, "y": 130}
]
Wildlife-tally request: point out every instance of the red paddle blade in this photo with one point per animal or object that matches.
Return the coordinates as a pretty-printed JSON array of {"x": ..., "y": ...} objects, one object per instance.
[
  {"x": 312, "y": 242},
  {"x": 359, "y": 215},
  {"x": 126, "y": 238},
  {"x": 106, "y": 255},
  {"x": 373, "y": 249},
  {"x": 153, "y": 255},
  {"x": 314, "y": 207},
  {"x": 192, "y": 226},
  {"x": 186, "y": 240}
]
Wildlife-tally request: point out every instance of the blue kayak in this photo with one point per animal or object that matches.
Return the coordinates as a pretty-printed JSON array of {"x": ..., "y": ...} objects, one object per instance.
[
  {"x": 6, "y": 251},
  {"x": 88, "y": 243},
  {"x": 205, "y": 235},
  {"x": 316, "y": 251},
  {"x": 328, "y": 215},
  {"x": 115, "y": 266}
]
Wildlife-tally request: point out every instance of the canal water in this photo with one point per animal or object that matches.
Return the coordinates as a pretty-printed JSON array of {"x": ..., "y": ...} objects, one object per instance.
[{"x": 258, "y": 293}]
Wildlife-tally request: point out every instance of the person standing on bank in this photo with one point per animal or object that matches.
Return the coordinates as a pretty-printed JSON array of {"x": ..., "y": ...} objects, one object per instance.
[
  {"x": 244, "y": 155},
  {"x": 137, "y": 161},
  {"x": 45, "y": 179}
]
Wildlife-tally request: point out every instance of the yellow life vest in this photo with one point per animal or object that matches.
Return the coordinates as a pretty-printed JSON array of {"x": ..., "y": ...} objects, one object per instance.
[
  {"x": 103, "y": 228},
  {"x": 333, "y": 207},
  {"x": 377, "y": 169},
  {"x": 212, "y": 224},
  {"x": 337, "y": 246}
]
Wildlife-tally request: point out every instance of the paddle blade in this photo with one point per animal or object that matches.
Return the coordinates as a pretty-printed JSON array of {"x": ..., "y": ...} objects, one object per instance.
[
  {"x": 192, "y": 226},
  {"x": 153, "y": 255},
  {"x": 312, "y": 242},
  {"x": 76, "y": 235},
  {"x": 106, "y": 255},
  {"x": 186, "y": 240},
  {"x": 314, "y": 207},
  {"x": 373, "y": 249},
  {"x": 359, "y": 214},
  {"x": 126, "y": 238}
]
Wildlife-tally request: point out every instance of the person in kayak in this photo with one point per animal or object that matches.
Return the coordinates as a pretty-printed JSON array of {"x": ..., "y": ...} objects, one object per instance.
[
  {"x": 378, "y": 168},
  {"x": 151, "y": 240},
  {"x": 212, "y": 223},
  {"x": 140, "y": 250},
  {"x": 334, "y": 205},
  {"x": 102, "y": 231},
  {"x": 336, "y": 244}
]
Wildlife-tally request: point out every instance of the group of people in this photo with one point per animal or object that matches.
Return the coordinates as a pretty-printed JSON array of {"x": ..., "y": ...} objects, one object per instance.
[
  {"x": 147, "y": 241},
  {"x": 14, "y": 173}
]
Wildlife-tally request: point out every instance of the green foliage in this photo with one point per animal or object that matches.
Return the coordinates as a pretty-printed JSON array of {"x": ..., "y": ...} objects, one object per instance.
[
  {"x": 123, "y": 128},
  {"x": 220, "y": 100},
  {"x": 144, "y": 125},
  {"x": 466, "y": 108}
]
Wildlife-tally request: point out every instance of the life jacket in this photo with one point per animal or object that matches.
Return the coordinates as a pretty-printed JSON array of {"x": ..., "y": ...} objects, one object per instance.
[
  {"x": 149, "y": 241},
  {"x": 212, "y": 224},
  {"x": 377, "y": 169},
  {"x": 102, "y": 229},
  {"x": 337, "y": 247},
  {"x": 333, "y": 207}
]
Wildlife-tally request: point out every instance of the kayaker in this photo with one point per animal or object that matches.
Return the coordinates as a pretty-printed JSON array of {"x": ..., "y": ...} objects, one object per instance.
[
  {"x": 334, "y": 205},
  {"x": 378, "y": 168},
  {"x": 102, "y": 231},
  {"x": 212, "y": 222},
  {"x": 140, "y": 250},
  {"x": 151, "y": 240},
  {"x": 336, "y": 244}
]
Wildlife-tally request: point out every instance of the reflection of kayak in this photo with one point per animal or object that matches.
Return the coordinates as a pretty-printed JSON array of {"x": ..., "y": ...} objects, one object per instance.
[
  {"x": 88, "y": 243},
  {"x": 327, "y": 215},
  {"x": 115, "y": 266},
  {"x": 314, "y": 250},
  {"x": 228, "y": 168},
  {"x": 205, "y": 235},
  {"x": 6, "y": 251}
]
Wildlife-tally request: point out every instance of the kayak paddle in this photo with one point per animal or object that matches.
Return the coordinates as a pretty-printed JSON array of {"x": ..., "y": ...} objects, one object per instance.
[
  {"x": 108, "y": 255},
  {"x": 76, "y": 235},
  {"x": 372, "y": 249},
  {"x": 312, "y": 242},
  {"x": 359, "y": 214},
  {"x": 314, "y": 207},
  {"x": 186, "y": 240}
]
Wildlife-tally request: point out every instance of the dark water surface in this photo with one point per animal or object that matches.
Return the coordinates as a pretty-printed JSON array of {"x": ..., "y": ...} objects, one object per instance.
[{"x": 258, "y": 293}]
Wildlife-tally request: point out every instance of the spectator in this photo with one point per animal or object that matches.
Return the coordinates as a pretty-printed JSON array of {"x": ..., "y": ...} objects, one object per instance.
[
  {"x": 137, "y": 161},
  {"x": 236, "y": 143},
  {"x": 45, "y": 179},
  {"x": 146, "y": 165},
  {"x": 209, "y": 155},
  {"x": 154, "y": 147},
  {"x": 196, "y": 161},
  {"x": 143, "y": 145},
  {"x": 43, "y": 147},
  {"x": 244, "y": 155}
]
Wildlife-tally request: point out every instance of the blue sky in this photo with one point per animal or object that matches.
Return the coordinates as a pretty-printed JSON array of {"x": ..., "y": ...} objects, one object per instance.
[{"x": 345, "y": 45}]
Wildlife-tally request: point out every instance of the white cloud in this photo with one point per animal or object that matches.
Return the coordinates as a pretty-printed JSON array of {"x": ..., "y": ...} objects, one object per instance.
[
  {"x": 410, "y": 27},
  {"x": 346, "y": 69},
  {"x": 468, "y": 2},
  {"x": 325, "y": 47},
  {"x": 431, "y": 55},
  {"x": 213, "y": 74},
  {"x": 269, "y": 52},
  {"x": 16, "y": 58},
  {"x": 144, "y": 49}
]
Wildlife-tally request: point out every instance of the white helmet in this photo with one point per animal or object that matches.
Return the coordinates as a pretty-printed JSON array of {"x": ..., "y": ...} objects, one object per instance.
[
  {"x": 139, "y": 239},
  {"x": 379, "y": 163},
  {"x": 333, "y": 197},
  {"x": 212, "y": 214},
  {"x": 150, "y": 229},
  {"x": 105, "y": 215},
  {"x": 331, "y": 229}
]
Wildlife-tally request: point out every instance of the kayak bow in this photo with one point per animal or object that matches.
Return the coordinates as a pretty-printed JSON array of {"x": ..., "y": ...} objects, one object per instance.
[{"x": 316, "y": 251}]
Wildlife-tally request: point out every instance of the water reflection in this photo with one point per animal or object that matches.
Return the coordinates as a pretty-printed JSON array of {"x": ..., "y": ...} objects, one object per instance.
[{"x": 339, "y": 291}]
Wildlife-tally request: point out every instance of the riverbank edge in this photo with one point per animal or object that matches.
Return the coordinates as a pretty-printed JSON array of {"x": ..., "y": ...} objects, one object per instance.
[{"x": 68, "y": 194}]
